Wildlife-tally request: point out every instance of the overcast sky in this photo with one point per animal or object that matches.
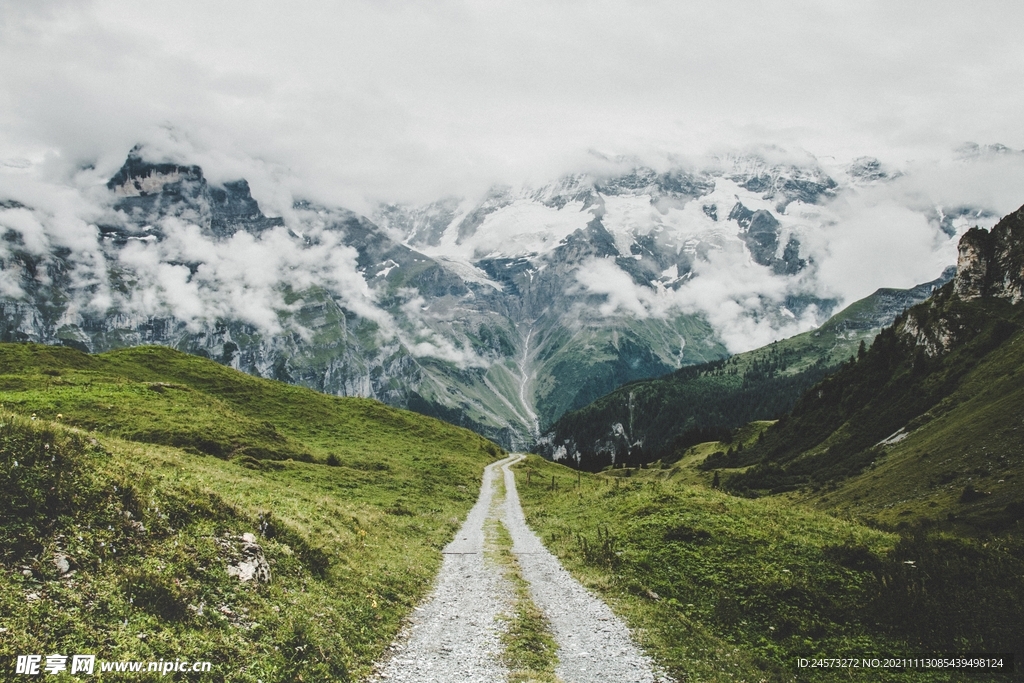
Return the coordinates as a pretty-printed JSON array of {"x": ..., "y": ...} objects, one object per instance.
[{"x": 411, "y": 100}]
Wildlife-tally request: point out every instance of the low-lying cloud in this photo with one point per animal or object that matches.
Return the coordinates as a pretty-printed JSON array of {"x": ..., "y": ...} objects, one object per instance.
[
  {"x": 348, "y": 104},
  {"x": 742, "y": 300},
  {"x": 884, "y": 233},
  {"x": 188, "y": 275}
]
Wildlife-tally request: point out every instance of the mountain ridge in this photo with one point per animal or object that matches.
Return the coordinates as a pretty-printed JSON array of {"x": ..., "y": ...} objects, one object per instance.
[
  {"x": 498, "y": 315},
  {"x": 656, "y": 419},
  {"x": 932, "y": 403}
]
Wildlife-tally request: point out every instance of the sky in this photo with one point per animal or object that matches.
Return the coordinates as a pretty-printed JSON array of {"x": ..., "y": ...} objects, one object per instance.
[
  {"x": 364, "y": 100},
  {"x": 358, "y": 102}
]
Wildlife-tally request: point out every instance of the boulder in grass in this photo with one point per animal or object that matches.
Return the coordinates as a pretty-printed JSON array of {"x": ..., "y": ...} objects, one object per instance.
[{"x": 246, "y": 560}]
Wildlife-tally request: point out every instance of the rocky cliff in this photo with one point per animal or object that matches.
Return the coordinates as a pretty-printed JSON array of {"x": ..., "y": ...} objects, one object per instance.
[
  {"x": 991, "y": 262},
  {"x": 990, "y": 265}
]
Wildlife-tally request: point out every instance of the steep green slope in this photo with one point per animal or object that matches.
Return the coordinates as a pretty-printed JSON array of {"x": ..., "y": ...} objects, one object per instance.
[
  {"x": 576, "y": 363},
  {"x": 658, "y": 419},
  {"x": 959, "y": 463},
  {"x": 924, "y": 426},
  {"x": 842, "y": 425},
  {"x": 722, "y": 588},
  {"x": 149, "y": 527},
  {"x": 907, "y": 437}
]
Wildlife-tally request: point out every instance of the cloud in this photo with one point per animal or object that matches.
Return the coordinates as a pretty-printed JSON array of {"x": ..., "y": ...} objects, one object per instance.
[
  {"x": 622, "y": 295},
  {"x": 888, "y": 234},
  {"x": 879, "y": 234},
  {"x": 875, "y": 245},
  {"x": 349, "y": 103},
  {"x": 362, "y": 100},
  {"x": 741, "y": 300},
  {"x": 189, "y": 275},
  {"x": 33, "y": 235},
  {"x": 418, "y": 333},
  {"x": 243, "y": 277}
]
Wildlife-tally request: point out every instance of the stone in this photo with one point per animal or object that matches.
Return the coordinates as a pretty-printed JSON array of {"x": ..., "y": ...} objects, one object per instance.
[
  {"x": 246, "y": 562},
  {"x": 60, "y": 561}
]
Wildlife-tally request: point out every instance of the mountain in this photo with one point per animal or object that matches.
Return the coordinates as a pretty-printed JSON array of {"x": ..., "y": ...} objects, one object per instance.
[
  {"x": 926, "y": 421},
  {"x": 499, "y": 314},
  {"x": 657, "y": 419}
]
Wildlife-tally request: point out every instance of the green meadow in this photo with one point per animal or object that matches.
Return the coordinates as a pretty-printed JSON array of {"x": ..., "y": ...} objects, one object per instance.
[
  {"x": 142, "y": 468},
  {"x": 726, "y": 588}
]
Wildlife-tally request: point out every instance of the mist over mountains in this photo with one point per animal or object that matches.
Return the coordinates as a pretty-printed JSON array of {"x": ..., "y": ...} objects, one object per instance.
[{"x": 500, "y": 312}]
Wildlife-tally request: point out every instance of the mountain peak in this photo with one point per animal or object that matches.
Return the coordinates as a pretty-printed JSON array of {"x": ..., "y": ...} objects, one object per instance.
[{"x": 139, "y": 177}]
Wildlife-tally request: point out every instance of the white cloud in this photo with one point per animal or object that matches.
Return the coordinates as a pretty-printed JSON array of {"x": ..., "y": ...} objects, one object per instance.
[
  {"x": 33, "y": 235},
  {"x": 739, "y": 298},
  {"x": 347, "y": 103},
  {"x": 622, "y": 295},
  {"x": 407, "y": 100}
]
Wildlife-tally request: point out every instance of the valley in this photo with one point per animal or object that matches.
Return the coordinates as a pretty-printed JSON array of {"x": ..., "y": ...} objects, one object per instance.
[
  {"x": 656, "y": 420},
  {"x": 511, "y": 342},
  {"x": 852, "y": 487},
  {"x": 894, "y": 482}
]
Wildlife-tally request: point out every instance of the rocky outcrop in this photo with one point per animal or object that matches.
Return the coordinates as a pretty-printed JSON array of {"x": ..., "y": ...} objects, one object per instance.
[
  {"x": 991, "y": 263},
  {"x": 245, "y": 559},
  {"x": 972, "y": 264},
  {"x": 761, "y": 230}
]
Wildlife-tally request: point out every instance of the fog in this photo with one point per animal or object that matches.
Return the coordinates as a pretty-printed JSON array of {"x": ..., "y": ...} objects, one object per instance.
[{"x": 351, "y": 104}]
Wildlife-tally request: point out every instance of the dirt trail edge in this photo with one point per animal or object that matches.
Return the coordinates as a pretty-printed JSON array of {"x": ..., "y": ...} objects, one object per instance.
[
  {"x": 454, "y": 636},
  {"x": 594, "y": 645}
]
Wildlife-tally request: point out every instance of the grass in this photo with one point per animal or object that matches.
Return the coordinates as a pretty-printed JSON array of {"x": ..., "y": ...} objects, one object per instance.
[
  {"x": 687, "y": 470},
  {"x": 720, "y": 588},
  {"x": 968, "y": 442},
  {"x": 148, "y": 520},
  {"x": 837, "y": 430}
]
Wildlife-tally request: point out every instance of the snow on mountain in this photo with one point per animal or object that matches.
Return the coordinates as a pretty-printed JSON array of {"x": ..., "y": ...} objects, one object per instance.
[{"x": 499, "y": 313}]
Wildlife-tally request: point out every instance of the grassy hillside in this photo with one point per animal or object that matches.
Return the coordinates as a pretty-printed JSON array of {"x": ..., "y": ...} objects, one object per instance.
[
  {"x": 722, "y": 588},
  {"x": 957, "y": 465},
  {"x": 130, "y": 478},
  {"x": 925, "y": 436},
  {"x": 658, "y": 419}
]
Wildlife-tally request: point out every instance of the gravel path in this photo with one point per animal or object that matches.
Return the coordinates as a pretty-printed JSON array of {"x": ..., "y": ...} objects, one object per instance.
[
  {"x": 454, "y": 637},
  {"x": 594, "y": 645}
]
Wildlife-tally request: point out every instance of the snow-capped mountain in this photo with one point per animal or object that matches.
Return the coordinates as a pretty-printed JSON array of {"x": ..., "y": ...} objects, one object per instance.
[{"x": 499, "y": 313}]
